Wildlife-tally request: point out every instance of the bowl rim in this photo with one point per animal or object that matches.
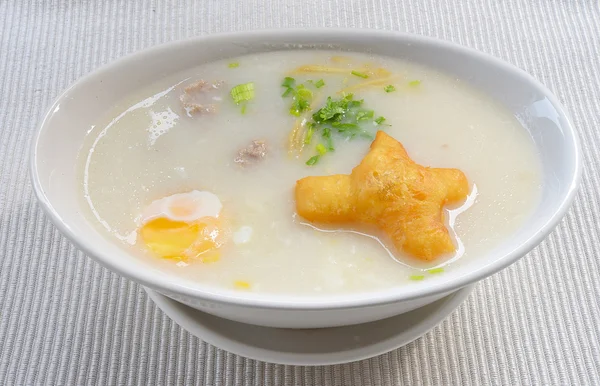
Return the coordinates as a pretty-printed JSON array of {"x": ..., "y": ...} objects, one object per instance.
[{"x": 157, "y": 279}]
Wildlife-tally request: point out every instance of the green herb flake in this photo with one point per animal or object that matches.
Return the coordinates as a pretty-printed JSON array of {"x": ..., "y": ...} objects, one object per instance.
[
  {"x": 320, "y": 83},
  {"x": 364, "y": 115},
  {"x": 243, "y": 92},
  {"x": 289, "y": 91},
  {"x": 304, "y": 93},
  {"x": 334, "y": 110},
  {"x": 380, "y": 120},
  {"x": 302, "y": 96},
  {"x": 435, "y": 270},
  {"x": 352, "y": 104},
  {"x": 321, "y": 149},
  {"x": 244, "y": 108},
  {"x": 360, "y": 74},
  {"x": 288, "y": 82},
  {"x": 345, "y": 126},
  {"x": 309, "y": 134},
  {"x": 330, "y": 146},
  {"x": 234, "y": 65},
  {"x": 299, "y": 105},
  {"x": 417, "y": 277},
  {"x": 414, "y": 83},
  {"x": 313, "y": 160},
  {"x": 389, "y": 88},
  {"x": 343, "y": 115},
  {"x": 366, "y": 134},
  {"x": 327, "y": 135}
]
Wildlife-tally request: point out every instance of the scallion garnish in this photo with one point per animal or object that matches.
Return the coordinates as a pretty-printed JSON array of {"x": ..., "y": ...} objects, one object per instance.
[
  {"x": 288, "y": 82},
  {"x": 414, "y": 83},
  {"x": 303, "y": 92},
  {"x": 360, "y": 74},
  {"x": 289, "y": 91},
  {"x": 389, "y": 88},
  {"x": 313, "y": 160},
  {"x": 302, "y": 96},
  {"x": 417, "y": 277},
  {"x": 341, "y": 127},
  {"x": 243, "y": 92},
  {"x": 309, "y": 133},
  {"x": 321, "y": 149},
  {"x": 327, "y": 135},
  {"x": 435, "y": 270},
  {"x": 299, "y": 106},
  {"x": 364, "y": 115},
  {"x": 366, "y": 134},
  {"x": 343, "y": 115},
  {"x": 234, "y": 64},
  {"x": 320, "y": 83}
]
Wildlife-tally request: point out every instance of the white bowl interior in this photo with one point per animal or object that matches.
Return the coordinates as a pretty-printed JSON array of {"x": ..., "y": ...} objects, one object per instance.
[{"x": 64, "y": 128}]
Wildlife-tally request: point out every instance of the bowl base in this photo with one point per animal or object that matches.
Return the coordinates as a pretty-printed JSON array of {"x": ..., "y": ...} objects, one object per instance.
[{"x": 310, "y": 347}]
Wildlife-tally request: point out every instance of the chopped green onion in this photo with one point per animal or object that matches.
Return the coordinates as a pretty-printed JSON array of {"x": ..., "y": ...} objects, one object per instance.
[
  {"x": 366, "y": 135},
  {"x": 417, "y": 277},
  {"x": 389, "y": 88},
  {"x": 243, "y": 92},
  {"x": 244, "y": 108},
  {"x": 234, "y": 64},
  {"x": 288, "y": 82},
  {"x": 352, "y": 104},
  {"x": 287, "y": 92},
  {"x": 321, "y": 149},
  {"x": 320, "y": 83},
  {"x": 309, "y": 135},
  {"x": 380, "y": 120},
  {"x": 330, "y": 146},
  {"x": 360, "y": 74},
  {"x": 341, "y": 127},
  {"x": 327, "y": 135},
  {"x": 364, "y": 115},
  {"x": 302, "y": 96},
  {"x": 436, "y": 270},
  {"x": 299, "y": 106},
  {"x": 343, "y": 115},
  {"x": 414, "y": 83},
  {"x": 302, "y": 92},
  {"x": 313, "y": 160}
]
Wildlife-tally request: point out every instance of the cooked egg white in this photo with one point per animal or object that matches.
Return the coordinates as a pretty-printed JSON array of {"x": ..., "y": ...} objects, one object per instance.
[{"x": 184, "y": 207}]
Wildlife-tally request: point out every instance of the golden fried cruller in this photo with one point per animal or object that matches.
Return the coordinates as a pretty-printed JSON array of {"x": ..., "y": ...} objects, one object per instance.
[{"x": 390, "y": 191}]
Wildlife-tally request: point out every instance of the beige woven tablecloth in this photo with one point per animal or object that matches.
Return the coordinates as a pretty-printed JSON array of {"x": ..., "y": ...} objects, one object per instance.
[{"x": 66, "y": 320}]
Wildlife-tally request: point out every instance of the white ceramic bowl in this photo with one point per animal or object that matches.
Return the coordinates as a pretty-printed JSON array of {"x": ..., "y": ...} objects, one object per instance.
[{"x": 61, "y": 133}]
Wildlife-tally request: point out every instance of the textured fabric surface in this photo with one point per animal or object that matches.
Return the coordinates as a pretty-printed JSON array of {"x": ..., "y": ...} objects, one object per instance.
[{"x": 66, "y": 320}]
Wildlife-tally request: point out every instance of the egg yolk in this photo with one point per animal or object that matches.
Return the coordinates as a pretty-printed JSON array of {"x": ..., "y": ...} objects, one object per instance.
[
  {"x": 180, "y": 240},
  {"x": 184, "y": 226}
]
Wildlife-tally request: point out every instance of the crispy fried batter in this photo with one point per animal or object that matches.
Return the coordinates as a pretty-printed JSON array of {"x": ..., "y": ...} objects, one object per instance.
[{"x": 390, "y": 191}]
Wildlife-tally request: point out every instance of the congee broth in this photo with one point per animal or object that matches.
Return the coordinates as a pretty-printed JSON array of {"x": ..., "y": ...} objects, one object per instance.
[{"x": 308, "y": 172}]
